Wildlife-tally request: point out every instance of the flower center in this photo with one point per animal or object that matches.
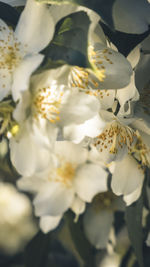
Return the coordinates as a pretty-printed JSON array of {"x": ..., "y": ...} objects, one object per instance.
[
  {"x": 10, "y": 50},
  {"x": 82, "y": 78},
  {"x": 114, "y": 137},
  {"x": 65, "y": 173},
  {"x": 47, "y": 103}
]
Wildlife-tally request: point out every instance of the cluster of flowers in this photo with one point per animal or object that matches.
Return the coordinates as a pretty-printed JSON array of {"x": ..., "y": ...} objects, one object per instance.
[{"x": 72, "y": 128}]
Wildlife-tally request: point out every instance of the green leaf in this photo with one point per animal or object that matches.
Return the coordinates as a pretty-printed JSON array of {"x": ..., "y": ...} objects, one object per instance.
[
  {"x": 70, "y": 40},
  {"x": 102, "y": 7},
  {"x": 36, "y": 254},
  {"x": 133, "y": 216}
]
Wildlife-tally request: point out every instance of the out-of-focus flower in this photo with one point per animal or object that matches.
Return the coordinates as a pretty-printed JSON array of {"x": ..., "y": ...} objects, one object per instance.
[
  {"x": 19, "y": 50},
  {"x": 69, "y": 181},
  {"x": 16, "y": 223},
  {"x": 99, "y": 217},
  {"x": 131, "y": 16}
]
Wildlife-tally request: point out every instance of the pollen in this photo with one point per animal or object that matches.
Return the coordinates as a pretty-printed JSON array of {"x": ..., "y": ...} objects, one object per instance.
[
  {"x": 65, "y": 173},
  {"x": 99, "y": 59},
  {"x": 115, "y": 137},
  {"x": 82, "y": 78},
  {"x": 99, "y": 93},
  {"x": 11, "y": 52},
  {"x": 47, "y": 103}
]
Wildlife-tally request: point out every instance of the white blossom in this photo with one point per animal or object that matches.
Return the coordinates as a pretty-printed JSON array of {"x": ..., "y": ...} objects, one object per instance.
[
  {"x": 68, "y": 182},
  {"x": 19, "y": 50}
]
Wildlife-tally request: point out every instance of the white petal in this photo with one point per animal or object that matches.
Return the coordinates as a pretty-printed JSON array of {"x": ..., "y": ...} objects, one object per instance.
[
  {"x": 49, "y": 223},
  {"x": 115, "y": 67},
  {"x": 97, "y": 226},
  {"x": 53, "y": 200},
  {"x": 19, "y": 113},
  {"x": 5, "y": 83},
  {"x": 127, "y": 176},
  {"x": 91, "y": 128},
  {"x": 90, "y": 180},
  {"x": 6, "y": 34},
  {"x": 107, "y": 98},
  {"x": 23, "y": 72},
  {"x": 35, "y": 27},
  {"x": 127, "y": 95},
  {"x": 44, "y": 134},
  {"x": 71, "y": 152},
  {"x": 78, "y": 206},
  {"x": 129, "y": 199},
  {"x": 131, "y": 16},
  {"x": 31, "y": 184},
  {"x": 79, "y": 107},
  {"x": 26, "y": 155}
]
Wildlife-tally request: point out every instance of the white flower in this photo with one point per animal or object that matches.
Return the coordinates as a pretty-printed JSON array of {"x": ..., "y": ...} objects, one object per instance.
[
  {"x": 19, "y": 50},
  {"x": 125, "y": 142},
  {"x": 41, "y": 112},
  {"x": 109, "y": 99},
  {"x": 56, "y": 102},
  {"x": 115, "y": 141},
  {"x": 68, "y": 182},
  {"x": 16, "y": 225}
]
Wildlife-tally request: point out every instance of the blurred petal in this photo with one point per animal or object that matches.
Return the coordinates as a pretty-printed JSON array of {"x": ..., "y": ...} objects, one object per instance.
[
  {"x": 48, "y": 223},
  {"x": 53, "y": 200},
  {"x": 97, "y": 226},
  {"x": 71, "y": 152},
  {"x": 78, "y": 206},
  {"x": 131, "y": 16}
]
